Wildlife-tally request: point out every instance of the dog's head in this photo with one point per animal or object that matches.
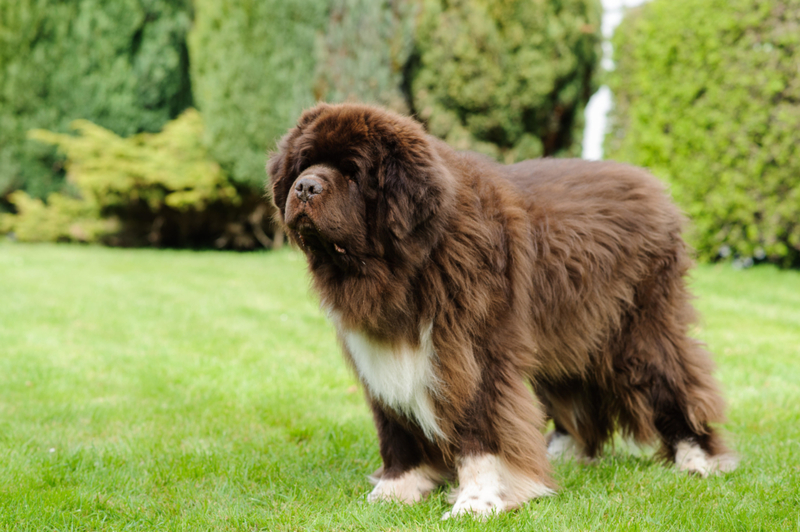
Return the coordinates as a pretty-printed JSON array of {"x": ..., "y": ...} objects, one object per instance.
[{"x": 354, "y": 183}]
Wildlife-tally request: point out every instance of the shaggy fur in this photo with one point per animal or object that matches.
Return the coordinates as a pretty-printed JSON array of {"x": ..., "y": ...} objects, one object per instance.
[{"x": 470, "y": 280}]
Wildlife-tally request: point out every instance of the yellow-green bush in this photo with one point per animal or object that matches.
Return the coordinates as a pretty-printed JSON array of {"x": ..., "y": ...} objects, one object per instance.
[
  {"x": 169, "y": 168},
  {"x": 63, "y": 218},
  {"x": 126, "y": 188},
  {"x": 708, "y": 97}
]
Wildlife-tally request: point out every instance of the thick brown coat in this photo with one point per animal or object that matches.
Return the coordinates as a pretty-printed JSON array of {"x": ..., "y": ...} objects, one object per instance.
[{"x": 564, "y": 274}]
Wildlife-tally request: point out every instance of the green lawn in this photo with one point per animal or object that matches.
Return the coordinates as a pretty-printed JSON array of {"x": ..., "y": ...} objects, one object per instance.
[{"x": 177, "y": 390}]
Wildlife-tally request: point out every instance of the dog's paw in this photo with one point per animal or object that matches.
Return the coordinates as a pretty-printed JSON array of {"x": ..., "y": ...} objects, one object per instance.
[
  {"x": 481, "y": 490},
  {"x": 478, "y": 501},
  {"x": 689, "y": 457},
  {"x": 724, "y": 463},
  {"x": 410, "y": 487},
  {"x": 562, "y": 446}
]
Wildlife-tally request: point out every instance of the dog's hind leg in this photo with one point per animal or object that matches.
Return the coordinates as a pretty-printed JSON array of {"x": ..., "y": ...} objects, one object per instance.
[
  {"x": 663, "y": 380},
  {"x": 581, "y": 417},
  {"x": 685, "y": 403},
  {"x": 561, "y": 445}
]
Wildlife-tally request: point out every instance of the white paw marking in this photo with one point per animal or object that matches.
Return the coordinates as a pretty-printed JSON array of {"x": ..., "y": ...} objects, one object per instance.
[
  {"x": 488, "y": 486},
  {"x": 563, "y": 446},
  {"x": 691, "y": 458},
  {"x": 401, "y": 376},
  {"x": 411, "y": 486}
]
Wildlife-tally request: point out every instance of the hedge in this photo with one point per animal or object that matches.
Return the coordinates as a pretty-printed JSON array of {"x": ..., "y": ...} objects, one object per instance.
[
  {"x": 122, "y": 64},
  {"x": 364, "y": 52},
  {"x": 708, "y": 96}
]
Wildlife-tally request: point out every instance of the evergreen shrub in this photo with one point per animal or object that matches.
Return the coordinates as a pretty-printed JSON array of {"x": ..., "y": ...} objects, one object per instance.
[
  {"x": 253, "y": 67},
  {"x": 257, "y": 64},
  {"x": 708, "y": 97},
  {"x": 363, "y": 54},
  {"x": 509, "y": 78}
]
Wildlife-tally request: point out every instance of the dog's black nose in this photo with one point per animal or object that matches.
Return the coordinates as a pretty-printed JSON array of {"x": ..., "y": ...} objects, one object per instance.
[{"x": 307, "y": 187}]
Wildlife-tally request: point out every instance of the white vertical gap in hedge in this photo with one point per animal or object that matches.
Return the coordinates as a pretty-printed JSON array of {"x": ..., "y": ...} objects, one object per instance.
[{"x": 600, "y": 103}]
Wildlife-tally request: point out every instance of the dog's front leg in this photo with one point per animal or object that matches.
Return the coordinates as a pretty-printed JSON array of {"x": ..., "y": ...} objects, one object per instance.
[
  {"x": 412, "y": 467},
  {"x": 502, "y": 459}
]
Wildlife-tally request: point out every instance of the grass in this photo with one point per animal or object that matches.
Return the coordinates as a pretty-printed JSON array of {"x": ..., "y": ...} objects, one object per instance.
[{"x": 176, "y": 390}]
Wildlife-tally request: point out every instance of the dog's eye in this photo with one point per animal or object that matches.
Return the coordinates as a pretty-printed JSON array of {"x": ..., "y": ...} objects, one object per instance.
[{"x": 349, "y": 168}]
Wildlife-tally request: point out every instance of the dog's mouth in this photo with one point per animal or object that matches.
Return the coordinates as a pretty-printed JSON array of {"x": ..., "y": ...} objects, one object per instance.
[{"x": 312, "y": 240}]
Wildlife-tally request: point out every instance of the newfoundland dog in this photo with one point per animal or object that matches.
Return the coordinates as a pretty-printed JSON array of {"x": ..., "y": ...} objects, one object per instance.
[{"x": 475, "y": 300}]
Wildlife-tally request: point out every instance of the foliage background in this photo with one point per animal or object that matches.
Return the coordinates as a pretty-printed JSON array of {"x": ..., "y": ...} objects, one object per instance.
[
  {"x": 122, "y": 64},
  {"x": 708, "y": 97},
  {"x": 507, "y": 78},
  {"x": 250, "y": 67}
]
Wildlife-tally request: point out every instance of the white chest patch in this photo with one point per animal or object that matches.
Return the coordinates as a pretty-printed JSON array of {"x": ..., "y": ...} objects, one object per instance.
[{"x": 401, "y": 376}]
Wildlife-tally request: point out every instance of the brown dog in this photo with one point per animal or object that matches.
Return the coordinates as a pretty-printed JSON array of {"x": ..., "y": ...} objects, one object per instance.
[{"x": 453, "y": 281}]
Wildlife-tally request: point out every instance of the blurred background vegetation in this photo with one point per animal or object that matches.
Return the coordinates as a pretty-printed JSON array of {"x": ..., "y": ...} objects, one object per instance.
[
  {"x": 707, "y": 95},
  {"x": 507, "y": 78},
  {"x": 148, "y": 122}
]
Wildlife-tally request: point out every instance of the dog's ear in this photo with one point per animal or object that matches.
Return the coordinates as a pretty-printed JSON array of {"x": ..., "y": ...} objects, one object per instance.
[
  {"x": 281, "y": 164},
  {"x": 280, "y": 173},
  {"x": 417, "y": 187},
  {"x": 309, "y": 115}
]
